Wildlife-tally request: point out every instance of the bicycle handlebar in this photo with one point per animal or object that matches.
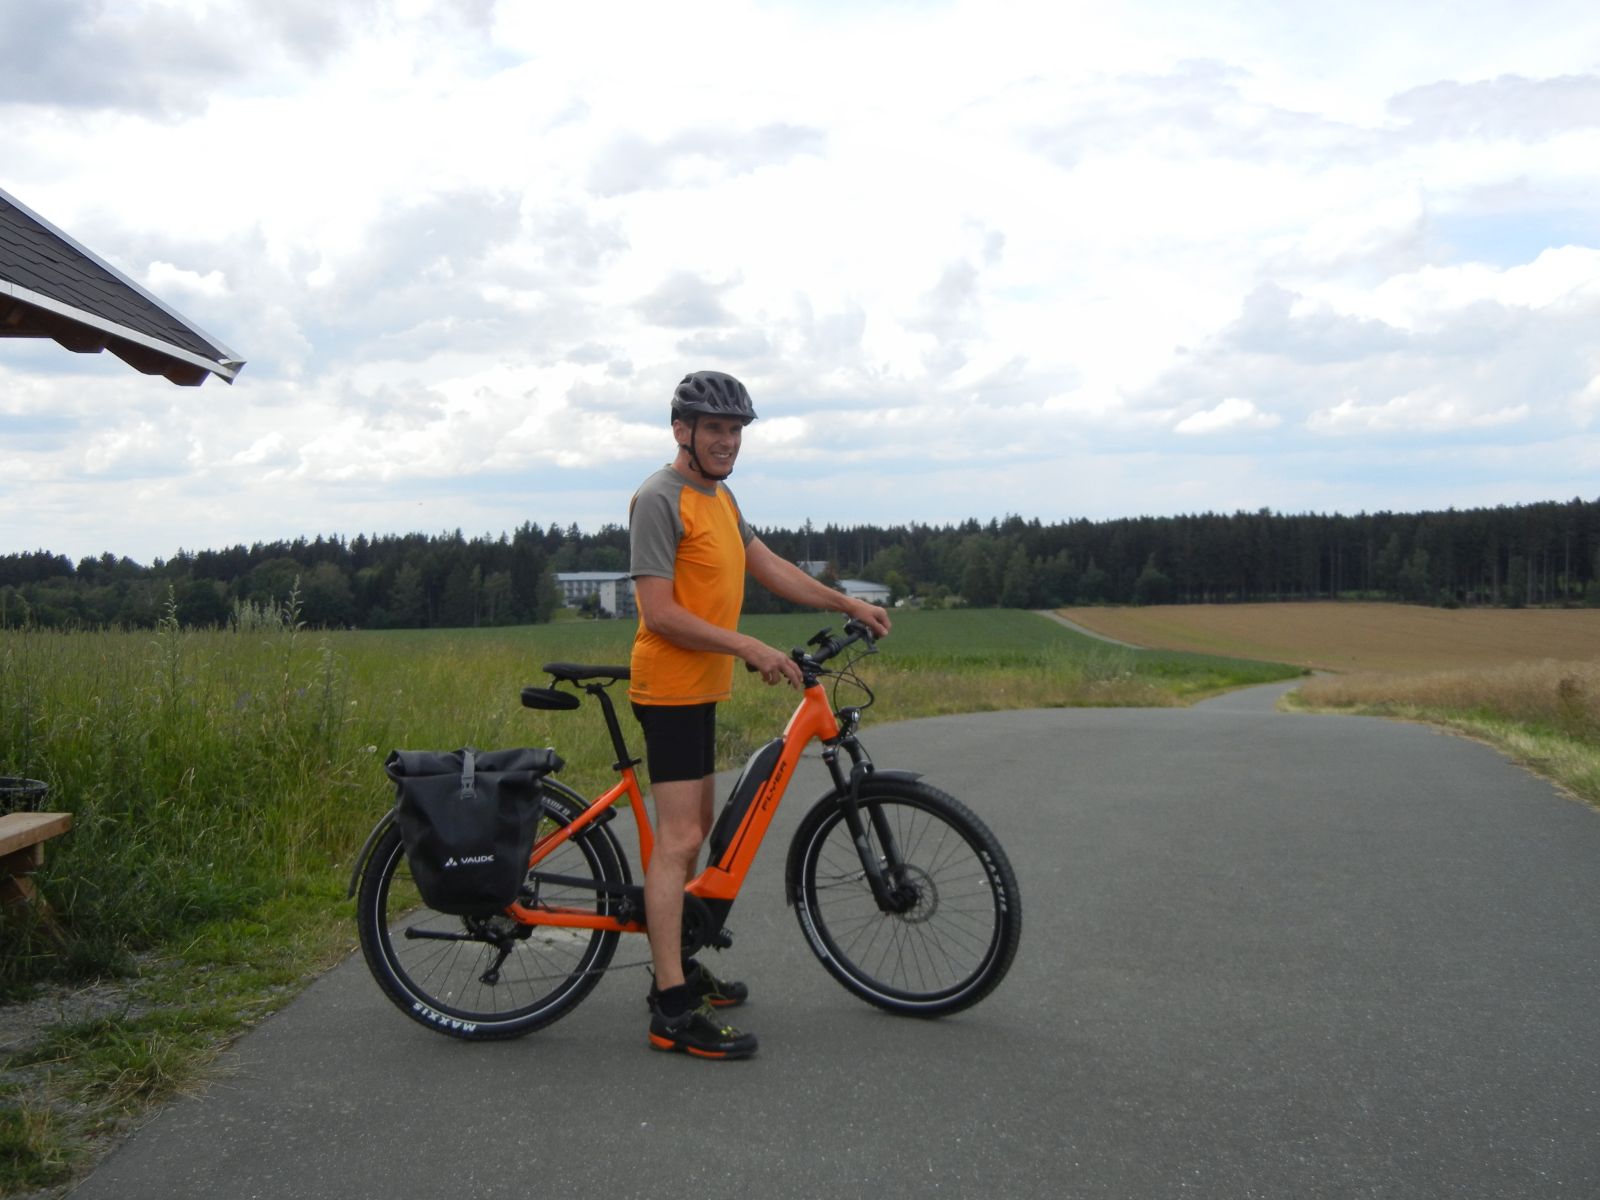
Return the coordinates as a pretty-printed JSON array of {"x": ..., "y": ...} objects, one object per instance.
[{"x": 829, "y": 646}]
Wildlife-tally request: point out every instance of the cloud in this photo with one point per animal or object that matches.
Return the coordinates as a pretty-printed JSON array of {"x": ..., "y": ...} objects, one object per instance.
[
  {"x": 697, "y": 157},
  {"x": 163, "y": 60},
  {"x": 685, "y": 301},
  {"x": 87, "y": 54},
  {"x": 1509, "y": 106},
  {"x": 1229, "y": 415},
  {"x": 1197, "y": 110},
  {"x": 1430, "y": 410},
  {"x": 163, "y": 278},
  {"x": 1275, "y": 321},
  {"x": 734, "y": 347},
  {"x": 272, "y": 450}
]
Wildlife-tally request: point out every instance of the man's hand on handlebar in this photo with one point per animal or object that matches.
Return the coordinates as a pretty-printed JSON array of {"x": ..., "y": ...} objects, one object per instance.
[
  {"x": 774, "y": 665},
  {"x": 870, "y": 615}
]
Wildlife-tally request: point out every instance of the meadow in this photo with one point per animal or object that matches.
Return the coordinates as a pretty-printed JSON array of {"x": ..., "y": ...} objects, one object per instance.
[
  {"x": 212, "y": 773},
  {"x": 222, "y": 782}
]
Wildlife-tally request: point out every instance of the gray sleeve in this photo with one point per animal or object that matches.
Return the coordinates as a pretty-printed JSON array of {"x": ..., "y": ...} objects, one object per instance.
[
  {"x": 746, "y": 534},
  {"x": 654, "y": 529}
]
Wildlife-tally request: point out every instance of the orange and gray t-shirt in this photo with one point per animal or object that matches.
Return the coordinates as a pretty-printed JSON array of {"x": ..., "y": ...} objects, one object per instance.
[{"x": 694, "y": 536}]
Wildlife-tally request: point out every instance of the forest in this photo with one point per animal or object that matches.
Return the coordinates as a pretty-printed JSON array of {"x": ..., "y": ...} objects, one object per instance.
[{"x": 1510, "y": 556}]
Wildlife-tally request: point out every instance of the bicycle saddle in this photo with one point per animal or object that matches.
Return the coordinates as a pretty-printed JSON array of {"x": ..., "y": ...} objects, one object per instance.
[{"x": 577, "y": 672}]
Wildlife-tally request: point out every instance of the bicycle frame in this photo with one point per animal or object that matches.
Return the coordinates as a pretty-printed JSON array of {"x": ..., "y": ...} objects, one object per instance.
[{"x": 719, "y": 883}]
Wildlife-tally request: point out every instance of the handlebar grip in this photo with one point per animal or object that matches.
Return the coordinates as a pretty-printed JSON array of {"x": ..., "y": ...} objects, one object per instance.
[{"x": 859, "y": 629}]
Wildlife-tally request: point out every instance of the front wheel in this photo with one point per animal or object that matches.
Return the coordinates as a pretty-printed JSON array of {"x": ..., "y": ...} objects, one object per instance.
[{"x": 946, "y": 938}]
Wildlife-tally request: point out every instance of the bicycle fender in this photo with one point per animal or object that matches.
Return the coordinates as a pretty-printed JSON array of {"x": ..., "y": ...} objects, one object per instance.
[
  {"x": 366, "y": 849},
  {"x": 791, "y": 871}
]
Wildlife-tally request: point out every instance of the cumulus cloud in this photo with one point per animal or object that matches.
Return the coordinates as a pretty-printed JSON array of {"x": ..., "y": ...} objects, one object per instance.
[
  {"x": 1430, "y": 410},
  {"x": 164, "y": 277},
  {"x": 163, "y": 59},
  {"x": 1231, "y": 414},
  {"x": 685, "y": 301}
]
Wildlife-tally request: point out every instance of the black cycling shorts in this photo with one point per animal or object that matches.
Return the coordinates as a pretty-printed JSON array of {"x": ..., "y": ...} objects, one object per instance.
[{"x": 680, "y": 740}]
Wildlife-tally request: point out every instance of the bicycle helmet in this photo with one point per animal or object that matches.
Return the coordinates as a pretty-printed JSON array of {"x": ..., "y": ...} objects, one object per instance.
[{"x": 712, "y": 394}]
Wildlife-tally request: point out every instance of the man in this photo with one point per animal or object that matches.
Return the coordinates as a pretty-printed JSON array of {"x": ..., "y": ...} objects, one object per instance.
[{"x": 690, "y": 550}]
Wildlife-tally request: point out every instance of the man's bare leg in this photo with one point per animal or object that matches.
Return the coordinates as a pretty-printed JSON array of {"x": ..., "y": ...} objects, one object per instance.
[{"x": 683, "y": 822}]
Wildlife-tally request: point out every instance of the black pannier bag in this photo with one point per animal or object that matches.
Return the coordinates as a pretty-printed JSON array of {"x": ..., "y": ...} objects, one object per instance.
[{"x": 468, "y": 819}]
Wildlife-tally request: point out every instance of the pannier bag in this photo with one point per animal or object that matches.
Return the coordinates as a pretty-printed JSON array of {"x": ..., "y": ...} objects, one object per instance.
[{"x": 468, "y": 819}]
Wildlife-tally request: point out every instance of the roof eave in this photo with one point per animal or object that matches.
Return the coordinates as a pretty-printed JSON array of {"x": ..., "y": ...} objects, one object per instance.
[{"x": 68, "y": 325}]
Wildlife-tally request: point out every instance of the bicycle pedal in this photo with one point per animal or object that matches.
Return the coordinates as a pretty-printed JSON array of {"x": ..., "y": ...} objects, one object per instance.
[{"x": 721, "y": 940}]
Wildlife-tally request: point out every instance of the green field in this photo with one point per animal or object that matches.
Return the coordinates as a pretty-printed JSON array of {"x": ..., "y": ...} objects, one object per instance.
[
  {"x": 221, "y": 784},
  {"x": 212, "y": 774}
]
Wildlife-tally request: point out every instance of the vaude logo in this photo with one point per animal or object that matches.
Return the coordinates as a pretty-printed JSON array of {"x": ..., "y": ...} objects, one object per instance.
[{"x": 476, "y": 860}]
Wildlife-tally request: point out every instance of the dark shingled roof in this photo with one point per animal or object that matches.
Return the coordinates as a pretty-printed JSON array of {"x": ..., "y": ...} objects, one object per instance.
[{"x": 50, "y": 286}]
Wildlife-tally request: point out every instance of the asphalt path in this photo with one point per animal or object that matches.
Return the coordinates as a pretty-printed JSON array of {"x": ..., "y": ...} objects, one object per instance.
[{"x": 1263, "y": 955}]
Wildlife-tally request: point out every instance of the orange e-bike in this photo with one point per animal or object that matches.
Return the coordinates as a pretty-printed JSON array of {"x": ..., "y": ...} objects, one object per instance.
[{"x": 902, "y": 892}]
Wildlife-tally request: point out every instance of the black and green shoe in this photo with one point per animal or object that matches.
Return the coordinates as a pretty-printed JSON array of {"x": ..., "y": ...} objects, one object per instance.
[
  {"x": 719, "y": 993},
  {"x": 699, "y": 1032}
]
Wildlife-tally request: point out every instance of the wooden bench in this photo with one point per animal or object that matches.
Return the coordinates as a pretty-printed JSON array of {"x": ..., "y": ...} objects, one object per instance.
[{"x": 22, "y": 839}]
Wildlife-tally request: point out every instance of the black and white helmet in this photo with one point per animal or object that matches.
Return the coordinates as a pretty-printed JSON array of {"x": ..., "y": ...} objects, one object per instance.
[{"x": 711, "y": 394}]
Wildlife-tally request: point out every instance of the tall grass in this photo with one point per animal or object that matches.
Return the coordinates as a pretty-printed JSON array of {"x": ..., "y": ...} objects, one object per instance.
[
  {"x": 225, "y": 779},
  {"x": 206, "y": 773}
]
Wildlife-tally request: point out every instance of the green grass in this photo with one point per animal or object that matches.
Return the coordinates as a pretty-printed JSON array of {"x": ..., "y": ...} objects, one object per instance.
[
  {"x": 222, "y": 779},
  {"x": 221, "y": 784}
]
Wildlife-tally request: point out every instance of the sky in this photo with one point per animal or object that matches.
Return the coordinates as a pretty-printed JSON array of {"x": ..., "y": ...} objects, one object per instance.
[{"x": 1057, "y": 260}]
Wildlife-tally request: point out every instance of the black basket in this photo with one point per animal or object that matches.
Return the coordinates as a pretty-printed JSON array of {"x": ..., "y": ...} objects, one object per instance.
[{"x": 22, "y": 795}]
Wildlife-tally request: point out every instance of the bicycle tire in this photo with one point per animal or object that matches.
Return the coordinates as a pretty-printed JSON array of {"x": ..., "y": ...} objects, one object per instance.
[
  {"x": 440, "y": 981},
  {"x": 953, "y": 946}
]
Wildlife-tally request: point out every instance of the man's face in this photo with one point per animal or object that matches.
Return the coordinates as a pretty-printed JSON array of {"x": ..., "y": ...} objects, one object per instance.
[{"x": 716, "y": 443}]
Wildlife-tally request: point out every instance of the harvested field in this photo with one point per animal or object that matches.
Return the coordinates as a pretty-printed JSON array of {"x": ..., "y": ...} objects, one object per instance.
[{"x": 1355, "y": 636}]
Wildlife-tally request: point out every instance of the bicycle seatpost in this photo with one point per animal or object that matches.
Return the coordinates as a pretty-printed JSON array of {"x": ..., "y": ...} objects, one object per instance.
[{"x": 613, "y": 727}]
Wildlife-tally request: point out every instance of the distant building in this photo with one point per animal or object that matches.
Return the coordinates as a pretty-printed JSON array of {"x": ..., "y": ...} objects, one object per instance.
[
  {"x": 858, "y": 589},
  {"x": 861, "y": 589},
  {"x": 614, "y": 589}
]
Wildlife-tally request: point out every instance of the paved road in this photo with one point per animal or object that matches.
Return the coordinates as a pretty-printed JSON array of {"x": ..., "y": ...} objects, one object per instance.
[{"x": 1265, "y": 955}]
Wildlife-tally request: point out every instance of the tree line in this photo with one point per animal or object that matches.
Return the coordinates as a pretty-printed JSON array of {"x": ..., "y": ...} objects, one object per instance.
[{"x": 1522, "y": 555}]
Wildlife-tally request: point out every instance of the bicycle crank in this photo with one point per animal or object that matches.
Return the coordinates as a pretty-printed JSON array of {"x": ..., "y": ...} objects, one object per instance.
[{"x": 701, "y": 928}]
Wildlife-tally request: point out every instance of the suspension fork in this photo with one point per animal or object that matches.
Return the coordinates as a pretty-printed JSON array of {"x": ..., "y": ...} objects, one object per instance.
[{"x": 885, "y": 887}]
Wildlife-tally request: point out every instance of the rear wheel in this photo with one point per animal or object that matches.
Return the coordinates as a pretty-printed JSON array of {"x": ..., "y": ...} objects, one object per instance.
[
  {"x": 483, "y": 978},
  {"x": 951, "y": 930}
]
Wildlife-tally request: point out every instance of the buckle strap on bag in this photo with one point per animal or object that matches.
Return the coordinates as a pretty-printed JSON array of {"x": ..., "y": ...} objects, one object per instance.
[{"x": 469, "y": 766}]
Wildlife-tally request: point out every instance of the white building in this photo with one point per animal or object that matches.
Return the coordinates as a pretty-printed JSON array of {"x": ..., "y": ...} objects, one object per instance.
[
  {"x": 614, "y": 588},
  {"x": 857, "y": 589},
  {"x": 861, "y": 589}
]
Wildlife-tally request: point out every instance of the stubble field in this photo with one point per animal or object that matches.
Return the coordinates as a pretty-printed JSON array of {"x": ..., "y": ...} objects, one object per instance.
[{"x": 1356, "y": 637}]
